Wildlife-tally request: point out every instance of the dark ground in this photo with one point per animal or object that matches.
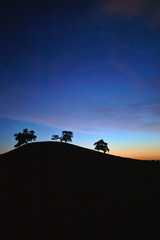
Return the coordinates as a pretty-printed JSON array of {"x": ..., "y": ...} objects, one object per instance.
[{"x": 60, "y": 191}]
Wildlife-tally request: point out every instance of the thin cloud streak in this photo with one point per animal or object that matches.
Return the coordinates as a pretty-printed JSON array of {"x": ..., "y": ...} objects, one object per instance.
[
  {"x": 131, "y": 8},
  {"x": 55, "y": 123},
  {"x": 123, "y": 66},
  {"x": 127, "y": 7},
  {"x": 138, "y": 117}
]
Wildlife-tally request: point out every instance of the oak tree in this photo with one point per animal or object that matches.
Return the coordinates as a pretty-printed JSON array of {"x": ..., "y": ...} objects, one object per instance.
[
  {"x": 101, "y": 145},
  {"x": 24, "y": 137}
]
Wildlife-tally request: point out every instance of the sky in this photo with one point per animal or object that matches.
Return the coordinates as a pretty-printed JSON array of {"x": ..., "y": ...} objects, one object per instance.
[{"x": 91, "y": 67}]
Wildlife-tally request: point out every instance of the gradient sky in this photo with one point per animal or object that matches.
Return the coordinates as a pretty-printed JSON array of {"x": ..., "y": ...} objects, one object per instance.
[{"x": 92, "y": 67}]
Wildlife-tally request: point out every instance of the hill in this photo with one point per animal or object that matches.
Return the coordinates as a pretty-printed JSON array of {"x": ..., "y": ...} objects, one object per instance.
[{"x": 60, "y": 191}]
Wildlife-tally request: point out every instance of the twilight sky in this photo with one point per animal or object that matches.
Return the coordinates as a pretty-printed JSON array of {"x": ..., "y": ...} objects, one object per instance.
[{"x": 89, "y": 66}]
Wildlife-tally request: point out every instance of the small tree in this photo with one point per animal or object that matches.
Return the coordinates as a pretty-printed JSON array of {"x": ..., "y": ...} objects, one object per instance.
[
  {"x": 101, "y": 145},
  {"x": 55, "y": 137},
  {"x": 25, "y": 137},
  {"x": 66, "y": 136}
]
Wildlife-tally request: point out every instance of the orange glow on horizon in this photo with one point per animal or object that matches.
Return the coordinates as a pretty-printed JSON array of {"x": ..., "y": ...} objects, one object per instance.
[{"x": 140, "y": 155}]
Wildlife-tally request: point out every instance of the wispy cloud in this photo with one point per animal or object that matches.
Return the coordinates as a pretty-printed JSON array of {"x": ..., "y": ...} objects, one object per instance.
[
  {"x": 84, "y": 126},
  {"x": 142, "y": 117},
  {"x": 130, "y": 8},
  {"x": 121, "y": 64},
  {"x": 153, "y": 84},
  {"x": 127, "y": 7}
]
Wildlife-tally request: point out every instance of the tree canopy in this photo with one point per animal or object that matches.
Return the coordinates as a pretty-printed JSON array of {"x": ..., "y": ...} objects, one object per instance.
[
  {"x": 55, "y": 137},
  {"x": 101, "y": 145},
  {"x": 66, "y": 136},
  {"x": 25, "y": 137}
]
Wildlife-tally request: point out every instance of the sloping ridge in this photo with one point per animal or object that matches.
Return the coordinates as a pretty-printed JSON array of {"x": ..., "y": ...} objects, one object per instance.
[
  {"x": 52, "y": 147},
  {"x": 61, "y": 191}
]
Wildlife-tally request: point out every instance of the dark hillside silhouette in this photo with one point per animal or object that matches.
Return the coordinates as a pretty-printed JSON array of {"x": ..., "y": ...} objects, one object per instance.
[{"x": 56, "y": 191}]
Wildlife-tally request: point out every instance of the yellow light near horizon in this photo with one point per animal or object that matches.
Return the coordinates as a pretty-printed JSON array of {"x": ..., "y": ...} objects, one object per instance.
[{"x": 141, "y": 154}]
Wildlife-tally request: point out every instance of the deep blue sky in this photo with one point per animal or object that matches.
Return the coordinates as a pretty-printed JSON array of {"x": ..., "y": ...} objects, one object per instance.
[{"x": 87, "y": 66}]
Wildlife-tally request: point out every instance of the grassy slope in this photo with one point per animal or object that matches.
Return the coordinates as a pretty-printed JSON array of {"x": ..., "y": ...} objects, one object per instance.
[{"x": 61, "y": 191}]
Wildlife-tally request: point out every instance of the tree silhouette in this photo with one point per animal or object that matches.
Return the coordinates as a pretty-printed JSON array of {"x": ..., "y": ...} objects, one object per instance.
[
  {"x": 101, "y": 145},
  {"x": 55, "y": 137},
  {"x": 25, "y": 137},
  {"x": 66, "y": 136}
]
